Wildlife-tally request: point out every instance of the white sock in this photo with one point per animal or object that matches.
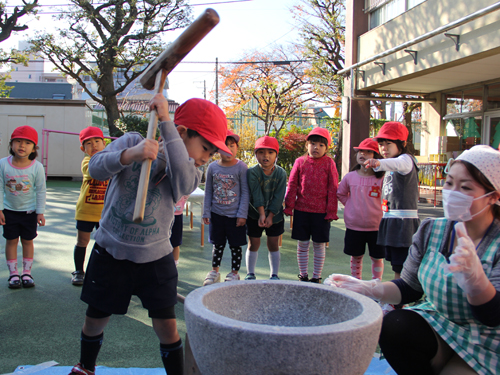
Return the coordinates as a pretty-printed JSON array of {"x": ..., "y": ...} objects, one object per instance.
[
  {"x": 274, "y": 262},
  {"x": 251, "y": 260}
]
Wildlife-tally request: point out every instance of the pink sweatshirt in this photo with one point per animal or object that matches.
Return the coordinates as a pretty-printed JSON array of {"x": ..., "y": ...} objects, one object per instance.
[
  {"x": 361, "y": 197},
  {"x": 312, "y": 187}
]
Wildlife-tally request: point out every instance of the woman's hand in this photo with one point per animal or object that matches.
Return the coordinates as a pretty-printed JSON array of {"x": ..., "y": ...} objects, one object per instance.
[
  {"x": 466, "y": 266},
  {"x": 369, "y": 288}
]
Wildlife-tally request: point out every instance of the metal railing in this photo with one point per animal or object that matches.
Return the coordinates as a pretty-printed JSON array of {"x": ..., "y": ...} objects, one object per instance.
[{"x": 442, "y": 29}]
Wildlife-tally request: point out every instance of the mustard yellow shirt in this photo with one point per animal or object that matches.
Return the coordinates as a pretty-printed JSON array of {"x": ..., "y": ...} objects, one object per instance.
[{"x": 91, "y": 199}]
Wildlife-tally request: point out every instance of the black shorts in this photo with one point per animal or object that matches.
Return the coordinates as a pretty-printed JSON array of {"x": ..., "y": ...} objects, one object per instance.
[
  {"x": 397, "y": 257},
  {"x": 110, "y": 283},
  {"x": 355, "y": 242},
  {"x": 309, "y": 224},
  {"x": 224, "y": 228},
  {"x": 87, "y": 226},
  {"x": 275, "y": 230},
  {"x": 19, "y": 224},
  {"x": 176, "y": 235}
]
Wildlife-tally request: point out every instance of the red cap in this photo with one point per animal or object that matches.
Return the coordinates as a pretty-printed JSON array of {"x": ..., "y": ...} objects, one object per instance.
[
  {"x": 207, "y": 119},
  {"x": 368, "y": 144},
  {"x": 90, "y": 132},
  {"x": 393, "y": 130},
  {"x": 267, "y": 142},
  {"x": 322, "y": 132},
  {"x": 233, "y": 135},
  {"x": 25, "y": 132}
]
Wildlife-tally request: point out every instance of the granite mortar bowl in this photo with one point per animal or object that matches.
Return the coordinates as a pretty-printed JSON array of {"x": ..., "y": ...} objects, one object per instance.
[{"x": 281, "y": 327}]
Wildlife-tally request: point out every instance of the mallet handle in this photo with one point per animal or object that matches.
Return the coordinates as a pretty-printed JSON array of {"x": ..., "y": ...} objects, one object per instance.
[
  {"x": 180, "y": 47},
  {"x": 154, "y": 77},
  {"x": 142, "y": 189}
]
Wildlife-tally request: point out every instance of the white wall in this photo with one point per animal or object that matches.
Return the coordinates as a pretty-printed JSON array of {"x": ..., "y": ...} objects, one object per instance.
[{"x": 64, "y": 156}]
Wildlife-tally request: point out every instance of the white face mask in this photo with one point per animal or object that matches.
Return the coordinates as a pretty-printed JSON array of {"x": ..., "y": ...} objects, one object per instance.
[{"x": 457, "y": 205}]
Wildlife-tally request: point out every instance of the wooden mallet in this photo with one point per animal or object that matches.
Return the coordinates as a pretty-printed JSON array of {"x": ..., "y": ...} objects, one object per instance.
[{"x": 154, "y": 78}]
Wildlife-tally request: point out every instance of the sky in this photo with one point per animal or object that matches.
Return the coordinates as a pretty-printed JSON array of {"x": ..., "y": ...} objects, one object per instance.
[{"x": 244, "y": 26}]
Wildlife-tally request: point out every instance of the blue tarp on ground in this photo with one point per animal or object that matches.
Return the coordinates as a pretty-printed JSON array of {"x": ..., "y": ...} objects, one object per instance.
[{"x": 377, "y": 367}]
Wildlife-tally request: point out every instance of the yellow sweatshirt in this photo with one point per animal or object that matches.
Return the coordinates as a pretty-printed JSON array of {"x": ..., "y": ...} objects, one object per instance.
[{"x": 91, "y": 199}]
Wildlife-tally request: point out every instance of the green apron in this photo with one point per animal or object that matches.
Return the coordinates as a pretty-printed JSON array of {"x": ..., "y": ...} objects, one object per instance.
[{"x": 446, "y": 308}]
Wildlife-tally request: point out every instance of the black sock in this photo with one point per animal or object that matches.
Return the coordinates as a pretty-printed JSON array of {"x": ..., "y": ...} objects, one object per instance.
[
  {"x": 173, "y": 358},
  {"x": 90, "y": 347},
  {"x": 217, "y": 252},
  {"x": 236, "y": 253},
  {"x": 79, "y": 257}
]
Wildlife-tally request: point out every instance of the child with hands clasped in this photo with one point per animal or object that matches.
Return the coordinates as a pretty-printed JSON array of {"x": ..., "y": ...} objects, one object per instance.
[
  {"x": 226, "y": 209},
  {"x": 399, "y": 194},
  {"x": 267, "y": 184},
  {"x": 22, "y": 202},
  {"x": 456, "y": 330},
  {"x": 312, "y": 198},
  {"x": 131, "y": 258},
  {"x": 360, "y": 191},
  {"x": 90, "y": 202}
]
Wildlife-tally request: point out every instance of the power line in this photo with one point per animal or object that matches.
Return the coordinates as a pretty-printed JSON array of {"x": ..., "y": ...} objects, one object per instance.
[{"x": 68, "y": 5}]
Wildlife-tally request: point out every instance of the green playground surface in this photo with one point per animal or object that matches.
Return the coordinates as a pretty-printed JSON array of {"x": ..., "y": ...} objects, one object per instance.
[{"x": 44, "y": 323}]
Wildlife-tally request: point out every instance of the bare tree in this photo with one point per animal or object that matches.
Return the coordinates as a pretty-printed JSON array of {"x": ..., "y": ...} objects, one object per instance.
[
  {"x": 106, "y": 38},
  {"x": 278, "y": 90}
]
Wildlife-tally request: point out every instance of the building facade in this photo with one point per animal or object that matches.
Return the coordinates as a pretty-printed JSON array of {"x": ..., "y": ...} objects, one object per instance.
[{"x": 443, "y": 54}]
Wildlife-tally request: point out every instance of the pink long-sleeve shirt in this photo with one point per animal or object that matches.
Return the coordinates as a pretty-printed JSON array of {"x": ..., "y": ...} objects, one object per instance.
[
  {"x": 361, "y": 197},
  {"x": 312, "y": 187}
]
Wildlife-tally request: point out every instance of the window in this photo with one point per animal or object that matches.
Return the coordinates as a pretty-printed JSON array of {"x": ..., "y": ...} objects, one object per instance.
[
  {"x": 493, "y": 97},
  {"x": 29, "y": 76},
  {"x": 384, "y": 11},
  {"x": 470, "y": 100}
]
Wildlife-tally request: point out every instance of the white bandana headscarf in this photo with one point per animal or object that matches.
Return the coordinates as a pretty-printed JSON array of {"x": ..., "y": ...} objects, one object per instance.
[{"x": 484, "y": 158}]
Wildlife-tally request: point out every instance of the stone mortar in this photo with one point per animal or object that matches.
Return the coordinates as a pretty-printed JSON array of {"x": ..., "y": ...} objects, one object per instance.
[{"x": 281, "y": 327}]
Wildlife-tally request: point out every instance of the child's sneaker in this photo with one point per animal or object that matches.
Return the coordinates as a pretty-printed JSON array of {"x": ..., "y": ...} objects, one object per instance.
[
  {"x": 232, "y": 277},
  {"x": 316, "y": 280},
  {"x": 212, "y": 278},
  {"x": 250, "y": 276},
  {"x": 77, "y": 278},
  {"x": 274, "y": 277},
  {"x": 79, "y": 370},
  {"x": 303, "y": 277}
]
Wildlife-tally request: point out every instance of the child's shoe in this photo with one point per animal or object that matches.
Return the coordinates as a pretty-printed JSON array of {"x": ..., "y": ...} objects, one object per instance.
[
  {"x": 274, "y": 277},
  {"x": 212, "y": 278},
  {"x": 232, "y": 277},
  {"x": 79, "y": 370},
  {"x": 303, "y": 277},
  {"x": 15, "y": 282},
  {"x": 27, "y": 281},
  {"x": 250, "y": 276},
  {"x": 316, "y": 280},
  {"x": 77, "y": 278}
]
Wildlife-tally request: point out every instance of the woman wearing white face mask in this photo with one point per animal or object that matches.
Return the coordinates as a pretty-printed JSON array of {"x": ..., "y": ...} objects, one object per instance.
[{"x": 455, "y": 261}]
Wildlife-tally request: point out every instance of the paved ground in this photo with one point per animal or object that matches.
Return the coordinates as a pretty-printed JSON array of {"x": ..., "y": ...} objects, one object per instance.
[{"x": 44, "y": 323}]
